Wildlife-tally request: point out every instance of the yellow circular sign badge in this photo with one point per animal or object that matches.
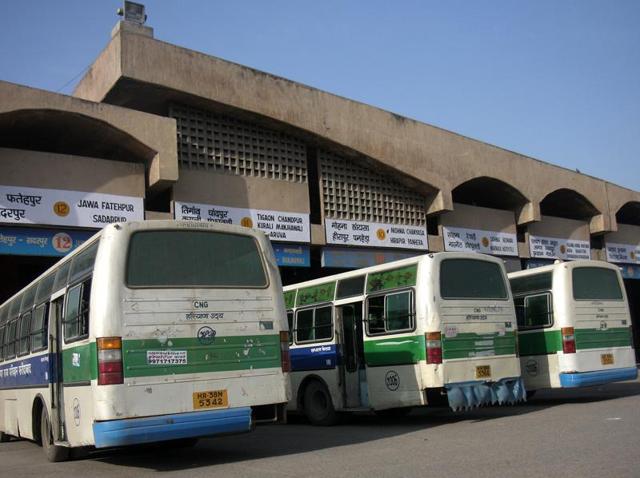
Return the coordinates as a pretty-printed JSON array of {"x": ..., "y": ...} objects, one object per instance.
[
  {"x": 246, "y": 222},
  {"x": 381, "y": 234},
  {"x": 61, "y": 209},
  {"x": 485, "y": 242}
]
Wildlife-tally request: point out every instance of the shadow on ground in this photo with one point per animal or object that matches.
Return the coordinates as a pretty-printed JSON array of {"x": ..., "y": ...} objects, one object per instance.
[{"x": 300, "y": 437}]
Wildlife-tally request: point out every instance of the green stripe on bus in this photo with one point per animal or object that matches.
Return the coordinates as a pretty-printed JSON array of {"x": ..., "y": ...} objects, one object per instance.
[
  {"x": 469, "y": 345},
  {"x": 542, "y": 342},
  {"x": 316, "y": 294},
  {"x": 150, "y": 357},
  {"x": 290, "y": 299},
  {"x": 79, "y": 364},
  {"x": 395, "y": 350},
  {"x": 597, "y": 338},
  {"x": 392, "y": 279}
]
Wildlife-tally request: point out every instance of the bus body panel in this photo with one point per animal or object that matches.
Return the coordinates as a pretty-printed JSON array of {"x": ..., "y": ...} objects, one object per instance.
[
  {"x": 175, "y": 342},
  {"x": 395, "y": 386},
  {"x": 397, "y": 372},
  {"x": 601, "y": 328}
]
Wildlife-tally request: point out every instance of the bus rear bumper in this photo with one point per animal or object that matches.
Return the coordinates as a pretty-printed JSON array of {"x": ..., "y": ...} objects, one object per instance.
[
  {"x": 599, "y": 377},
  {"x": 171, "y": 427},
  {"x": 474, "y": 394}
]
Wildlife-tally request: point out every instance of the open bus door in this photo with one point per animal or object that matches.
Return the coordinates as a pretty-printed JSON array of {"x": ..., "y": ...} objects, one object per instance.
[
  {"x": 55, "y": 368},
  {"x": 352, "y": 367}
]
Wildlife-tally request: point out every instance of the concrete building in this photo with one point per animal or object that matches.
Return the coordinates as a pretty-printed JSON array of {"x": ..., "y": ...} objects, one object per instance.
[{"x": 154, "y": 130}]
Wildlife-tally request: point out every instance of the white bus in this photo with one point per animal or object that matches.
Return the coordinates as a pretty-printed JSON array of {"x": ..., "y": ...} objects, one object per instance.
[
  {"x": 150, "y": 331},
  {"x": 407, "y": 333},
  {"x": 575, "y": 327}
]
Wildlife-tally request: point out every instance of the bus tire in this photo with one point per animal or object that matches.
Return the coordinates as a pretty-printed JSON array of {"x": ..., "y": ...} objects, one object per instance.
[
  {"x": 318, "y": 406},
  {"x": 53, "y": 452},
  {"x": 4, "y": 437}
]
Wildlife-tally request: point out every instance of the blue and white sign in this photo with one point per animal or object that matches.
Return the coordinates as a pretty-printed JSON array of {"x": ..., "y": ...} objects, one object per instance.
[
  {"x": 22, "y": 205},
  {"x": 277, "y": 225},
  {"x": 349, "y": 258},
  {"x": 292, "y": 255},
  {"x": 624, "y": 253},
  {"x": 559, "y": 248},
  {"x": 630, "y": 271},
  {"x": 476, "y": 240},
  {"x": 40, "y": 242}
]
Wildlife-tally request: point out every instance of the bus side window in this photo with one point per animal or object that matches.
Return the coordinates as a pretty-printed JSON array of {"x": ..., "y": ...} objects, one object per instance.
[
  {"x": 323, "y": 323},
  {"x": 304, "y": 326},
  {"x": 290, "y": 322},
  {"x": 39, "y": 324},
  {"x": 399, "y": 312},
  {"x": 314, "y": 324},
  {"x": 519, "y": 304},
  {"x": 375, "y": 316},
  {"x": 2, "y": 343},
  {"x": 390, "y": 313},
  {"x": 76, "y": 313},
  {"x": 538, "y": 311},
  {"x": 10, "y": 341},
  {"x": 25, "y": 330}
]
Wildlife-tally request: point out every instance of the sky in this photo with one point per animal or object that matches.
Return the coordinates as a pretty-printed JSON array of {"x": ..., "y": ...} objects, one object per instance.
[{"x": 557, "y": 80}]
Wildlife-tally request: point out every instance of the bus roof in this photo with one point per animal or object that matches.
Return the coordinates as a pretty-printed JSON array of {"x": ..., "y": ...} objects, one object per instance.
[
  {"x": 565, "y": 264},
  {"x": 394, "y": 265}
]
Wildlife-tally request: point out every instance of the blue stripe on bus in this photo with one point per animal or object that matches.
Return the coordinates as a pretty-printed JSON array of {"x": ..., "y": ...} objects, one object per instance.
[
  {"x": 171, "y": 427},
  {"x": 315, "y": 357},
  {"x": 598, "y": 377},
  {"x": 27, "y": 372}
]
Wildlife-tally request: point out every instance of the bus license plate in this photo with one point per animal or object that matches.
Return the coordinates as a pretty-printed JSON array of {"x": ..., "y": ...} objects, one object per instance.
[
  {"x": 210, "y": 399},
  {"x": 483, "y": 371},
  {"x": 606, "y": 359}
]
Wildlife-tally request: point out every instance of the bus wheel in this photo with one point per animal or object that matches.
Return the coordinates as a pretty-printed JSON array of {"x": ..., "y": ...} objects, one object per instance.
[
  {"x": 318, "y": 406},
  {"x": 4, "y": 437},
  {"x": 54, "y": 453}
]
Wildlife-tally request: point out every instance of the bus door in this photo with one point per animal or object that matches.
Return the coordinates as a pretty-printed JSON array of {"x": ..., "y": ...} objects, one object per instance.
[
  {"x": 55, "y": 368},
  {"x": 352, "y": 367}
]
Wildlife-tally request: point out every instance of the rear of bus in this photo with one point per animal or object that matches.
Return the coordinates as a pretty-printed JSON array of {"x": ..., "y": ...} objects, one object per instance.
[
  {"x": 190, "y": 332},
  {"x": 471, "y": 332},
  {"x": 595, "y": 325}
]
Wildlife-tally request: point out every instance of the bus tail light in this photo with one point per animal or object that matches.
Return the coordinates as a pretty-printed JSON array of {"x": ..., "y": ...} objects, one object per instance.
[
  {"x": 568, "y": 340},
  {"x": 285, "y": 360},
  {"x": 434, "y": 347},
  {"x": 110, "y": 361}
]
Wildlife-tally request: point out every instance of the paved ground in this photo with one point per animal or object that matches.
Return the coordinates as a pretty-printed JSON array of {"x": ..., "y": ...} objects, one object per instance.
[{"x": 590, "y": 432}]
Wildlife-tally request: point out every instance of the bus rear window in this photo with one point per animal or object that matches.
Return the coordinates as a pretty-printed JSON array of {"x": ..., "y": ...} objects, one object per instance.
[
  {"x": 595, "y": 283},
  {"x": 194, "y": 259},
  {"x": 471, "y": 279}
]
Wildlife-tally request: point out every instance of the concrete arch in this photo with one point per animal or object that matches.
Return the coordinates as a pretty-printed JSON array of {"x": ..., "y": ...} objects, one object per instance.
[
  {"x": 487, "y": 191},
  {"x": 100, "y": 130},
  {"x": 571, "y": 204},
  {"x": 629, "y": 213},
  {"x": 568, "y": 203},
  {"x": 68, "y": 132}
]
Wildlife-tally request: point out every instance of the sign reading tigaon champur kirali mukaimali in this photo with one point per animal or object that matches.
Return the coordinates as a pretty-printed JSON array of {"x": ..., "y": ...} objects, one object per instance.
[
  {"x": 277, "y": 225},
  {"x": 22, "y": 205}
]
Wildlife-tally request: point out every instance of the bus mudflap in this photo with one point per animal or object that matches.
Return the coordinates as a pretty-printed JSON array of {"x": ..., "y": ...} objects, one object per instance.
[{"x": 466, "y": 395}]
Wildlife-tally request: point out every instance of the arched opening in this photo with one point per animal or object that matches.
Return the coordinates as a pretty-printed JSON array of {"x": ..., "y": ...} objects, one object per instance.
[
  {"x": 489, "y": 192},
  {"x": 64, "y": 132},
  {"x": 568, "y": 204},
  {"x": 629, "y": 214}
]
